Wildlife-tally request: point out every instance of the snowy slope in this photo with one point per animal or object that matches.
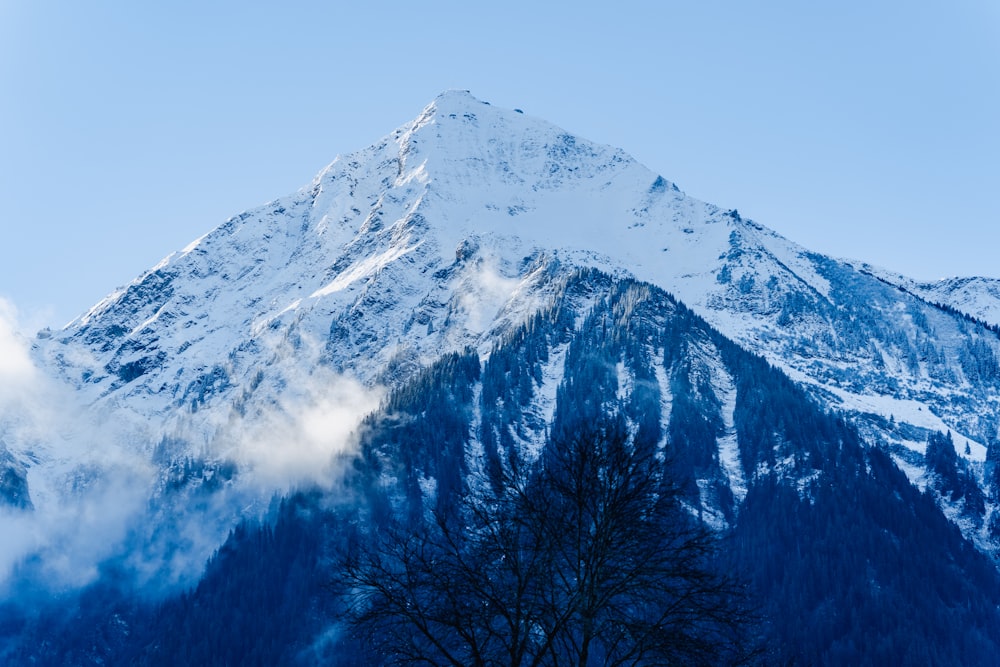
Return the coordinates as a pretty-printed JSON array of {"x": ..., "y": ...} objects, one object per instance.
[{"x": 977, "y": 297}]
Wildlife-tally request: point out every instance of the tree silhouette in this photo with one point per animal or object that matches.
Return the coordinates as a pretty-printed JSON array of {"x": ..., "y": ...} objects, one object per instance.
[{"x": 586, "y": 557}]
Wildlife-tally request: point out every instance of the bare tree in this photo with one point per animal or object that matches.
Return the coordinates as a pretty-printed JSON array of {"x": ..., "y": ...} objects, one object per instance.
[{"x": 587, "y": 558}]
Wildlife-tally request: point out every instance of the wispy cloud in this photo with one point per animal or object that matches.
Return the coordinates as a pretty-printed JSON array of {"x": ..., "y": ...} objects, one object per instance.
[
  {"x": 17, "y": 373},
  {"x": 85, "y": 487},
  {"x": 302, "y": 439},
  {"x": 97, "y": 496},
  {"x": 485, "y": 292}
]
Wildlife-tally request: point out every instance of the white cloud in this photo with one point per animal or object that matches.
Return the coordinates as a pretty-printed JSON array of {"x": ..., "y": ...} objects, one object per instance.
[
  {"x": 91, "y": 479},
  {"x": 302, "y": 439},
  {"x": 85, "y": 487},
  {"x": 70, "y": 531},
  {"x": 484, "y": 293},
  {"x": 17, "y": 373}
]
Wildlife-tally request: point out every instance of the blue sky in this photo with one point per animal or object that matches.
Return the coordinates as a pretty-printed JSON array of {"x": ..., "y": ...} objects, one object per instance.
[{"x": 127, "y": 129}]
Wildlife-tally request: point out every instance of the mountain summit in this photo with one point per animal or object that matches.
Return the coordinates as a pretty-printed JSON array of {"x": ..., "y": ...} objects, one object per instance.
[
  {"x": 434, "y": 309},
  {"x": 437, "y": 237},
  {"x": 464, "y": 181}
]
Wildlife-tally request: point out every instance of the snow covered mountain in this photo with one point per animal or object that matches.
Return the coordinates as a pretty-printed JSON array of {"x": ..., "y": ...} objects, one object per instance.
[
  {"x": 242, "y": 366},
  {"x": 450, "y": 231}
]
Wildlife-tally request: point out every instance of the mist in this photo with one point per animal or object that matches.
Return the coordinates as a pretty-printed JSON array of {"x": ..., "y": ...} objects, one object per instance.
[
  {"x": 85, "y": 488},
  {"x": 305, "y": 438},
  {"x": 98, "y": 499}
]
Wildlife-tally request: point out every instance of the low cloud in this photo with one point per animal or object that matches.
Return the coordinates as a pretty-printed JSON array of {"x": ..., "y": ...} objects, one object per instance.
[
  {"x": 16, "y": 368},
  {"x": 304, "y": 439},
  {"x": 486, "y": 291},
  {"x": 68, "y": 535},
  {"x": 97, "y": 496},
  {"x": 85, "y": 489},
  {"x": 19, "y": 379}
]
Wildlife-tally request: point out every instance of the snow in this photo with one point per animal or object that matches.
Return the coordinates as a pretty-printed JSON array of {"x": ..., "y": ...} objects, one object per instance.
[
  {"x": 911, "y": 412},
  {"x": 666, "y": 397},
  {"x": 194, "y": 244},
  {"x": 978, "y": 297},
  {"x": 729, "y": 451},
  {"x": 362, "y": 269}
]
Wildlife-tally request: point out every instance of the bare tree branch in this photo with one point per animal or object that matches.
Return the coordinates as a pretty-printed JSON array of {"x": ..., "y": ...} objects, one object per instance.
[{"x": 585, "y": 558}]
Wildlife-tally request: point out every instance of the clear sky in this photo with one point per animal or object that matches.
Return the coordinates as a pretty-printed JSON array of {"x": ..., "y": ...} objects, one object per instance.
[{"x": 127, "y": 129}]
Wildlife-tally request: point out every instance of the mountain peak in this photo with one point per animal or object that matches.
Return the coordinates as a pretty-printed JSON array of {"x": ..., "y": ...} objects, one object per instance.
[
  {"x": 451, "y": 103},
  {"x": 457, "y": 96},
  {"x": 469, "y": 142}
]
